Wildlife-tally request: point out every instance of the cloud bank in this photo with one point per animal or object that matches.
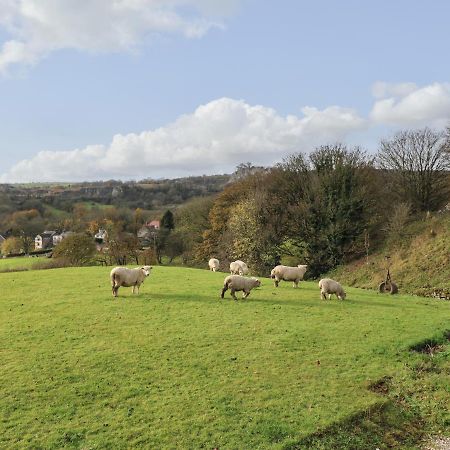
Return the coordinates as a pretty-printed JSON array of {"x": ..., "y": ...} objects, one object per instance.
[
  {"x": 407, "y": 105},
  {"x": 214, "y": 138},
  {"x": 225, "y": 132},
  {"x": 40, "y": 27}
]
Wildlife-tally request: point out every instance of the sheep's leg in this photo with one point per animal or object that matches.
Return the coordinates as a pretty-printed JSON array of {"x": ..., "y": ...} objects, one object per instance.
[
  {"x": 225, "y": 288},
  {"x": 115, "y": 290},
  {"x": 295, "y": 284},
  {"x": 329, "y": 296},
  {"x": 233, "y": 294},
  {"x": 245, "y": 294},
  {"x": 322, "y": 295},
  {"x": 137, "y": 288}
]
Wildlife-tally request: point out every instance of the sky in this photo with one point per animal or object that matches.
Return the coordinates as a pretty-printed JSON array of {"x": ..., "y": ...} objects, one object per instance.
[{"x": 133, "y": 89}]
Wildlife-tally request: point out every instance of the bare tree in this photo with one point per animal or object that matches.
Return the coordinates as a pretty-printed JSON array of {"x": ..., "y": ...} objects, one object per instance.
[{"x": 418, "y": 163}]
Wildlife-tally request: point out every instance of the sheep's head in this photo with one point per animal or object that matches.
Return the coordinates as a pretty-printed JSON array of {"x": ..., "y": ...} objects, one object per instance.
[
  {"x": 256, "y": 282},
  {"x": 272, "y": 274},
  {"x": 146, "y": 270}
]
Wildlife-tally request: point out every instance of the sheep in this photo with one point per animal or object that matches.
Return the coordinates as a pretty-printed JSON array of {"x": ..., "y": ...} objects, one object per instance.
[
  {"x": 238, "y": 268},
  {"x": 239, "y": 283},
  {"x": 287, "y": 273},
  {"x": 213, "y": 264},
  {"x": 122, "y": 276},
  {"x": 329, "y": 286}
]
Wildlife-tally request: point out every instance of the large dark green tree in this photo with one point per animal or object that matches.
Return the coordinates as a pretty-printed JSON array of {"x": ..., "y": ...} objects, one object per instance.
[
  {"x": 167, "y": 220},
  {"x": 341, "y": 206}
]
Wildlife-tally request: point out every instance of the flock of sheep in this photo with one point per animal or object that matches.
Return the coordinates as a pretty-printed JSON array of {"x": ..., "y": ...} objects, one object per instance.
[{"x": 122, "y": 276}]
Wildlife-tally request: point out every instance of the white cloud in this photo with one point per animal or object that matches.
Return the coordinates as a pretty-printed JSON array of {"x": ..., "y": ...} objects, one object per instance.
[
  {"x": 381, "y": 89},
  {"x": 407, "y": 105},
  {"x": 225, "y": 132},
  {"x": 214, "y": 138},
  {"x": 39, "y": 27}
]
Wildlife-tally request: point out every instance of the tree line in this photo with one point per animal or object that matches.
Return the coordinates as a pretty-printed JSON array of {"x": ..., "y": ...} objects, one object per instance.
[{"x": 323, "y": 209}]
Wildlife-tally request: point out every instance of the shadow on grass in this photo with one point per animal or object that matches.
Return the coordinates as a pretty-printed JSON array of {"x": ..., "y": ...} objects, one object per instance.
[
  {"x": 385, "y": 425},
  {"x": 179, "y": 297},
  {"x": 430, "y": 346}
]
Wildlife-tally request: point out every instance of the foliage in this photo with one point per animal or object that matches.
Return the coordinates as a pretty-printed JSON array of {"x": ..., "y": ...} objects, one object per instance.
[
  {"x": 175, "y": 245},
  {"x": 247, "y": 234},
  {"x": 274, "y": 371},
  {"x": 398, "y": 220},
  {"x": 314, "y": 209},
  {"x": 215, "y": 237},
  {"x": 342, "y": 207},
  {"x": 78, "y": 249},
  {"x": 122, "y": 248},
  {"x": 418, "y": 162},
  {"x": 11, "y": 245},
  {"x": 191, "y": 219},
  {"x": 167, "y": 220}
]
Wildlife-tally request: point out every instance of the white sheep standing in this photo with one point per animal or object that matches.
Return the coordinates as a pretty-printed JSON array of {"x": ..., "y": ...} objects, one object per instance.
[
  {"x": 122, "y": 276},
  {"x": 329, "y": 286},
  {"x": 238, "y": 283},
  {"x": 238, "y": 268},
  {"x": 287, "y": 273},
  {"x": 213, "y": 264}
]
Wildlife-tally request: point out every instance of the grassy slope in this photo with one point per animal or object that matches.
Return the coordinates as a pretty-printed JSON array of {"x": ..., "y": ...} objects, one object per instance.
[
  {"x": 19, "y": 263},
  {"x": 420, "y": 260},
  {"x": 177, "y": 368}
]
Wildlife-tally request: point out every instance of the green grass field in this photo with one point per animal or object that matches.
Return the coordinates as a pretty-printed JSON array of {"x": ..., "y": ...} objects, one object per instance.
[
  {"x": 19, "y": 263},
  {"x": 176, "y": 367}
]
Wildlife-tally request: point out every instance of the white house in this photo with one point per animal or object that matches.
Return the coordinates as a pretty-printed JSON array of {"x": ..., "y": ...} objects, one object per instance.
[
  {"x": 58, "y": 237},
  {"x": 44, "y": 240},
  {"x": 101, "y": 236}
]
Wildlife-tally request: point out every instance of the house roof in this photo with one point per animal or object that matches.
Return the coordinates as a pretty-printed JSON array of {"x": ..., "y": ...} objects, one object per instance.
[
  {"x": 46, "y": 234},
  {"x": 153, "y": 223}
]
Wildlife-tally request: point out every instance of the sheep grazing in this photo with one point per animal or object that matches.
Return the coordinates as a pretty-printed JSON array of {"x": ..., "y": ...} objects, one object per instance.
[
  {"x": 238, "y": 268},
  {"x": 287, "y": 273},
  {"x": 238, "y": 283},
  {"x": 329, "y": 286},
  {"x": 213, "y": 264},
  {"x": 122, "y": 276}
]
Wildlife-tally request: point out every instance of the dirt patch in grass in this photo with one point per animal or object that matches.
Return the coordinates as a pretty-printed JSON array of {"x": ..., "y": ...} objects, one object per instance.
[
  {"x": 432, "y": 346},
  {"x": 381, "y": 386}
]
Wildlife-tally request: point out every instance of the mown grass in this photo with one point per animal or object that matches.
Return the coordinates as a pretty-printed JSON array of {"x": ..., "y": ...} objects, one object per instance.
[
  {"x": 176, "y": 367},
  {"x": 19, "y": 263}
]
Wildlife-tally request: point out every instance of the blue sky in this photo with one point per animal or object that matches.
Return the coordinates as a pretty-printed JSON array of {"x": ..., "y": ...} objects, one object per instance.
[{"x": 153, "y": 88}]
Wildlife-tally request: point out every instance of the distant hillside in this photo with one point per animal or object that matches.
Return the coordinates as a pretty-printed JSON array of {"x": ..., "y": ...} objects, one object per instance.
[
  {"x": 147, "y": 194},
  {"x": 420, "y": 259}
]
